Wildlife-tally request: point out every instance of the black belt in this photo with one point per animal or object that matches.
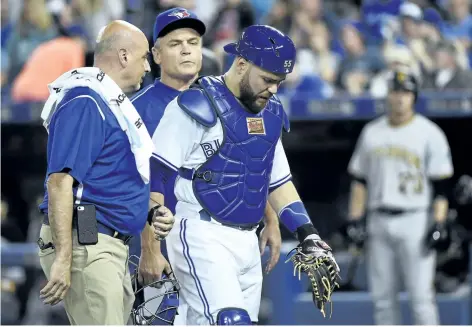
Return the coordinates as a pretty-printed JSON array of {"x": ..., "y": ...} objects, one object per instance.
[
  {"x": 204, "y": 215},
  {"x": 102, "y": 229}
]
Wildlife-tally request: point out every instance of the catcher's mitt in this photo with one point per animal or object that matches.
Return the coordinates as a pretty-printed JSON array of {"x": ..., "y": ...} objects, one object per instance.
[{"x": 314, "y": 258}]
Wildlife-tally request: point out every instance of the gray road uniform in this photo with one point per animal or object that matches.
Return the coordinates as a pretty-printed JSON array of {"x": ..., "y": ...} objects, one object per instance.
[{"x": 398, "y": 164}]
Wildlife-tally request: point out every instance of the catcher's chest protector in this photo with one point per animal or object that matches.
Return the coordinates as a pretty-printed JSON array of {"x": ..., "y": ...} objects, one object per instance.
[{"x": 233, "y": 184}]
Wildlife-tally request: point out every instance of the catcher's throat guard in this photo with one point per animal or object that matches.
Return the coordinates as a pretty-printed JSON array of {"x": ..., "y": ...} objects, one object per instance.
[
  {"x": 313, "y": 257},
  {"x": 156, "y": 303}
]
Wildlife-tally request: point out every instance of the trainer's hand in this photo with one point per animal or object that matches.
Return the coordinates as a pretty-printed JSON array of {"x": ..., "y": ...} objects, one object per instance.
[
  {"x": 270, "y": 235},
  {"x": 59, "y": 283},
  {"x": 162, "y": 222},
  {"x": 151, "y": 266}
]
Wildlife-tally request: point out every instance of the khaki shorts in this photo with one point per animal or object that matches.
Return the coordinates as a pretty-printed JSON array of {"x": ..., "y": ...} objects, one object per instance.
[{"x": 100, "y": 291}]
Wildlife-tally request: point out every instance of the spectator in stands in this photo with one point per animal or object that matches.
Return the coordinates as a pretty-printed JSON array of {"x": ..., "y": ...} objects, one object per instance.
[
  {"x": 459, "y": 25},
  {"x": 231, "y": 18},
  {"x": 377, "y": 16},
  {"x": 302, "y": 88},
  {"x": 407, "y": 31},
  {"x": 187, "y": 4},
  {"x": 411, "y": 18},
  {"x": 4, "y": 60},
  {"x": 359, "y": 63},
  {"x": 355, "y": 79},
  {"x": 448, "y": 75},
  {"x": 280, "y": 15},
  {"x": 432, "y": 25},
  {"x": 431, "y": 33},
  {"x": 34, "y": 27},
  {"x": 205, "y": 9},
  {"x": 5, "y": 31},
  {"x": 304, "y": 15},
  {"x": 142, "y": 13},
  {"x": 343, "y": 9},
  {"x": 317, "y": 58},
  {"x": 396, "y": 57},
  {"x": 94, "y": 14},
  {"x": 262, "y": 9},
  {"x": 6, "y": 26},
  {"x": 430, "y": 30},
  {"x": 49, "y": 61}
]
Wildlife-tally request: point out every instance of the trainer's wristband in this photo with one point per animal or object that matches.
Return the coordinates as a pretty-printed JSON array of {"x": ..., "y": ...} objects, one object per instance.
[
  {"x": 151, "y": 213},
  {"x": 295, "y": 217}
]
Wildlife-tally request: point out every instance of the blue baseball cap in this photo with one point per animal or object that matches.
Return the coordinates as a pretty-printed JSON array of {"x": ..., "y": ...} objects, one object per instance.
[
  {"x": 175, "y": 18},
  {"x": 433, "y": 17},
  {"x": 265, "y": 47}
]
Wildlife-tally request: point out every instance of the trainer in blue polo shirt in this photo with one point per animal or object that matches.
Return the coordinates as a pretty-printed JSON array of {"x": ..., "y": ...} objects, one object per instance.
[
  {"x": 86, "y": 141},
  {"x": 97, "y": 181}
]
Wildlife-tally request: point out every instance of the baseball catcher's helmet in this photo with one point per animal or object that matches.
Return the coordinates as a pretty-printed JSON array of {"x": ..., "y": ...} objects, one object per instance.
[
  {"x": 404, "y": 81},
  {"x": 265, "y": 47},
  {"x": 156, "y": 303}
]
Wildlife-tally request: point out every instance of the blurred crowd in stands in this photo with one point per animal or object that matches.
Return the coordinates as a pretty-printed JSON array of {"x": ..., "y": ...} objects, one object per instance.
[{"x": 344, "y": 46}]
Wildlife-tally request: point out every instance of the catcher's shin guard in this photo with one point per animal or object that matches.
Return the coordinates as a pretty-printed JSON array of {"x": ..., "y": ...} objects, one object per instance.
[{"x": 233, "y": 317}]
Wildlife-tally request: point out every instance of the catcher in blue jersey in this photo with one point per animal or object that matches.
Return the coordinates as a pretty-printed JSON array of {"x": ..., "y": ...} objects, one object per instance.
[{"x": 223, "y": 139}]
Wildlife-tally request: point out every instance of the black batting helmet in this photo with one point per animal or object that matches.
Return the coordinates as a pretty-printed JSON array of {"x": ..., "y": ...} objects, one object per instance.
[{"x": 404, "y": 81}]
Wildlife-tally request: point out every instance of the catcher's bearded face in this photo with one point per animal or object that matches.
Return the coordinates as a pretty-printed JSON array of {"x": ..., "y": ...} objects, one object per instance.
[
  {"x": 179, "y": 54},
  {"x": 257, "y": 86}
]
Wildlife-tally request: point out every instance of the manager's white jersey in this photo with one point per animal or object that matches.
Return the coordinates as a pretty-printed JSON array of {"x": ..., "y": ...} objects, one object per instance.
[
  {"x": 398, "y": 163},
  {"x": 180, "y": 141}
]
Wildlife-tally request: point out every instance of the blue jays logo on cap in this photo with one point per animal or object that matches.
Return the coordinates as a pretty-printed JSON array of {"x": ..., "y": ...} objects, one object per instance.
[
  {"x": 176, "y": 18},
  {"x": 180, "y": 13}
]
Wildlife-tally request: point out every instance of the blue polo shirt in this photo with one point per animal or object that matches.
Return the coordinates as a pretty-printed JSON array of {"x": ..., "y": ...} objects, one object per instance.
[
  {"x": 86, "y": 140},
  {"x": 151, "y": 103}
]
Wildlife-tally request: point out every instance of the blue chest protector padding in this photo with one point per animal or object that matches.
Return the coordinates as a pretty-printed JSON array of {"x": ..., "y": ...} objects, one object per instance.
[
  {"x": 232, "y": 185},
  {"x": 196, "y": 105}
]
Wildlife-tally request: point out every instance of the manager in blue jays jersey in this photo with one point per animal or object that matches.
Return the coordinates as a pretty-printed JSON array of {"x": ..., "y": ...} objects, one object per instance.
[
  {"x": 97, "y": 182},
  {"x": 177, "y": 50}
]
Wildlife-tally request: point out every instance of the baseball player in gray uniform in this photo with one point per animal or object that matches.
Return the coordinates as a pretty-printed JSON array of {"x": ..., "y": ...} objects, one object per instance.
[{"x": 400, "y": 169}]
